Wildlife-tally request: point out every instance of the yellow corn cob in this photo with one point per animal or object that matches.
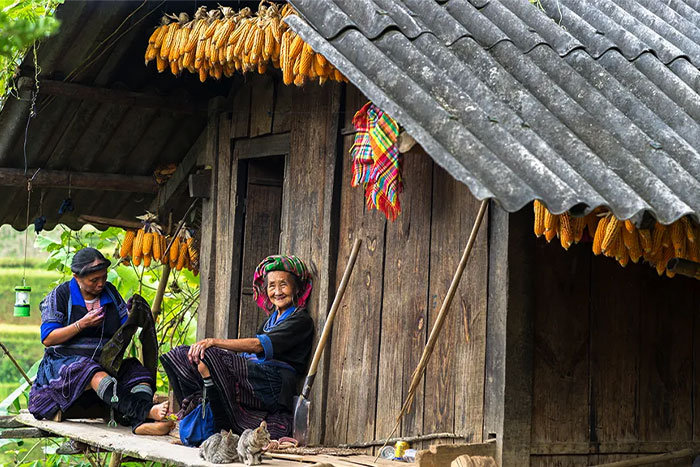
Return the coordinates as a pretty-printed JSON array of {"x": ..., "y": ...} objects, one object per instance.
[
  {"x": 184, "y": 39},
  {"x": 194, "y": 257},
  {"x": 211, "y": 29},
  {"x": 275, "y": 27},
  {"x": 202, "y": 74},
  {"x": 138, "y": 243},
  {"x": 175, "y": 249},
  {"x": 678, "y": 238},
  {"x": 577, "y": 226},
  {"x": 197, "y": 32},
  {"x": 307, "y": 54},
  {"x": 299, "y": 80},
  {"x": 629, "y": 225},
  {"x": 154, "y": 35},
  {"x": 125, "y": 262},
  {"x": 188, "y": 60},
  {"x": 657, "y": 238},
  {"x": 539, "y": 208},
  {"x": 174, "y": 68},
  {"x": 269, "y": 44},
  {"x": 230, "y": 58},
  {"x": 688, "y": 228},
  {"x": 553, "y": 222},
  {"x": 612, "y": 231},
  {"x": 168, "y": 40},
  {"x": 163, "y": 245},
  {"x": 218, "y": 71},
  {"x": 127, "y": 244},
  {"x": 136, "y": 260},
  {"x": 600, "y": 234},
  {"x": 147, "y": 243},
  {"x": 566, "y": 235},
  {"x": 285, "y": 60},
  {"x": 623, "y": 256},
  {"x": 256, "y": 49},
  {"x": 239, "y": 44},
  {"x": 182, "y": 254},
  {"x": 645, "y": 240},
  {"x": 296, "y": 46},
  {"x": 262, "y": 68},
  {"x": 146, "y": 261},
  {"x": 150, "y": 54},
  {"x": 250, "y": 38},
  {"x": 161, "y": 64},
  {"x": 631, "y": 241},
  {"x": 667, "y": 254},
  {"x": 318, "y": 69},
  {"x": 156, "y": 246}
]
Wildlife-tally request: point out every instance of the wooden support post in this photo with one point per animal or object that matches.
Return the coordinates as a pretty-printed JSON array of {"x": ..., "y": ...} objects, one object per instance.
[
  {"x": 207, "y": 254},
  {"x": 509, "y": 338}
]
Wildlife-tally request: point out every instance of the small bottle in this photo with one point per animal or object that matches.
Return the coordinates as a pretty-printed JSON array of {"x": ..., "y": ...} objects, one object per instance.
[{"x": 387, "y": 452}]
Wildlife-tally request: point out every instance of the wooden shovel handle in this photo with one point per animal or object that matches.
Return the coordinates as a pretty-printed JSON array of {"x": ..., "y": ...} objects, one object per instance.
[{"x": 334, "y": 308}]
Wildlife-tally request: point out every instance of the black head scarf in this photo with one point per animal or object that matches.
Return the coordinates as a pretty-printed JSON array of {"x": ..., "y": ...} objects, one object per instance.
[{"x": 83, "y": 260}]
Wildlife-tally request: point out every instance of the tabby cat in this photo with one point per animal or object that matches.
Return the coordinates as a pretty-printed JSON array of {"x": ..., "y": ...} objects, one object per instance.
[
  {"x": 220, "y": 448},
  {"x": 252, "y": 442}
]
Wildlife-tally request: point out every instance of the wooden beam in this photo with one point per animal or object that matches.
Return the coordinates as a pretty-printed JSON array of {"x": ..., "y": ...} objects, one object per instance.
[
  {"x": 509, "y": 337},
  {"x": 113, "y": 96},
  {"x": 109, "y": 222},
  {"x": 655, "y": 459},
  {"x": 177, "y": 184},
  {"x": 79, "y": 180},
  {"x": 8, "y": 421},
  {"x": 263, "y": 146},
  {"x": 23, "y": 433}
]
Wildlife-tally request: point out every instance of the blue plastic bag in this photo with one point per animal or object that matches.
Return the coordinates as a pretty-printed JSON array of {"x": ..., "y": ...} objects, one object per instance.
[{"x": 197, "y": 425}]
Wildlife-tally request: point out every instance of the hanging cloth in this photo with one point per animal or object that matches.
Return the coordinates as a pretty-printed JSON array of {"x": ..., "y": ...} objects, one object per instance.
[{"x": 376, "y": 161}]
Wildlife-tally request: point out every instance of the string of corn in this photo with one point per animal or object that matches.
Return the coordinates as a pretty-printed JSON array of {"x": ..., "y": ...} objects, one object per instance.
[
  {"x": 148, "y": 244},
  {"x": 219, "y": 42},
  {"x": 622, "y": 240}
]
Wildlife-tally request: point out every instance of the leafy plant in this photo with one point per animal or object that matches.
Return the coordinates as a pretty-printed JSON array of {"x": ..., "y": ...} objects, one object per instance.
[{"x": 22, "y": 23}]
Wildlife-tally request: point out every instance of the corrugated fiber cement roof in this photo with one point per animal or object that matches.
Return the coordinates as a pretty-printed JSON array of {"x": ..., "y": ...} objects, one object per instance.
[{"x": 579, "y": 103}]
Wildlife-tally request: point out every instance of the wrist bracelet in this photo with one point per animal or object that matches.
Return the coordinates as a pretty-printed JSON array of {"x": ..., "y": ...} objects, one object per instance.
[{"x": 77, "y": 326}]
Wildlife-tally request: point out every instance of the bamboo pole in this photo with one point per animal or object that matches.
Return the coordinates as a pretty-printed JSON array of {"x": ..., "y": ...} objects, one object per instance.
[
  {"x": 653, "y": 459},
  {"x": 14, "y": 362},
  {"x": 440, "y": 320}
]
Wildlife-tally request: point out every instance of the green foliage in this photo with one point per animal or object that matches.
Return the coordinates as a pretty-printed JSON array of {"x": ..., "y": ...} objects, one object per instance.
[
  {"x": 22, "y": 22},
  {"x": 176, "y": 326}
]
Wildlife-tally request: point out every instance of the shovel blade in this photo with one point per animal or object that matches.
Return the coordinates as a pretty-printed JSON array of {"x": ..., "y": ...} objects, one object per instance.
[{"x": 301, "y": 420}]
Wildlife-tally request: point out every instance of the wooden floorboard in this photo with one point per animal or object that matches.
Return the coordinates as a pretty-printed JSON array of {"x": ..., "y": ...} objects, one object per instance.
[{"x": 164, "y": 448}]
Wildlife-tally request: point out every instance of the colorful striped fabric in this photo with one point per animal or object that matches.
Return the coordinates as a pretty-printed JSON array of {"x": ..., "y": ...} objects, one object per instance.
[{"x": 376, "y": 161}]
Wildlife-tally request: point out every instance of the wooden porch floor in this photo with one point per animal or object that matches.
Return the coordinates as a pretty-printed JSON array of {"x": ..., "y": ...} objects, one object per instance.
[{"x": 164, "y": 448}]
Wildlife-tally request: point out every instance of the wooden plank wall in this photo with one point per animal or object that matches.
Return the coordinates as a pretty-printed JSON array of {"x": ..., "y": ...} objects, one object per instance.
[
  {"x": 401, "y": 276},
  {"x": 400, "y": 279},
  {"x": 616, "y": 360}
]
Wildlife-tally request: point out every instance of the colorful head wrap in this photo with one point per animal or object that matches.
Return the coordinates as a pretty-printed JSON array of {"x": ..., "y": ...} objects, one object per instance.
[{"x": 288, "y": 263}]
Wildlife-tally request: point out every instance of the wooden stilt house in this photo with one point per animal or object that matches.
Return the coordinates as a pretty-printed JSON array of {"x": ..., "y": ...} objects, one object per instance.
[{"x": 563, "y": 358}]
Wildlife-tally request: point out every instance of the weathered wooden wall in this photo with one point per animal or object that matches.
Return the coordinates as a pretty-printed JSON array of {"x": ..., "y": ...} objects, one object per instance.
[
  {"x": 401, "y": 276},
  {"x": 615, "y": 361},
  {"x": 400, "y": 279}
]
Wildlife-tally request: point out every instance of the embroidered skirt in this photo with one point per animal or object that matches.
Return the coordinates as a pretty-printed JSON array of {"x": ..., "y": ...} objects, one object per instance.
[
  {"x": 61, "y": 379},
  {"x": 250, "y": 392}
]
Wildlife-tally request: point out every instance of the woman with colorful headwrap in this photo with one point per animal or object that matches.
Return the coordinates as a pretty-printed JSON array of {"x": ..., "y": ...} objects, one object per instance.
[
  {"x": 253, "y": 379},
  {"x": 78, "y": 318}
]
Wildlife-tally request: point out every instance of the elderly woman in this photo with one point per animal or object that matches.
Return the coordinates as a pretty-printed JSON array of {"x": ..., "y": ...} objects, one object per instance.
[
  {"x": 253, "y": 379},
  {"x": 77, "y": 319}
]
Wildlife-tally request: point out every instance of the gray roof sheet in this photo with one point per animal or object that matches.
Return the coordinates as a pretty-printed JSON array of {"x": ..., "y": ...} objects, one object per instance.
[{"x": 579, "y": 104}]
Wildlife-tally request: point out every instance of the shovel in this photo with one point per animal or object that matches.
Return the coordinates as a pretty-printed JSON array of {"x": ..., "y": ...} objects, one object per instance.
[{"x": 302, "y": 403}]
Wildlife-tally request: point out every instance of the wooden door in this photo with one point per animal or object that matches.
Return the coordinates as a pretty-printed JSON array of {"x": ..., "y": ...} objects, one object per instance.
[{"x": 261, "y": 231}]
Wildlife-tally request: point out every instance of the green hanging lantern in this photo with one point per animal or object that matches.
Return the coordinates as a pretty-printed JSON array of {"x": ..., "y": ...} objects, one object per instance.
[{"x": 22, "y": 293}]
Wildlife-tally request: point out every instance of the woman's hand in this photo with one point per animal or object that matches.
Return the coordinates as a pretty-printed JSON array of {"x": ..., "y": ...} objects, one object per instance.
[
  {"x": 196, "y": 352},
  {"x": 92, "y": 318}
]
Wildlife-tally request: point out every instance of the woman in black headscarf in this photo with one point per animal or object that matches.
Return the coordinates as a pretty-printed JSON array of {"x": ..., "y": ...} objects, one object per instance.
[{"x": 77, "y": 319}]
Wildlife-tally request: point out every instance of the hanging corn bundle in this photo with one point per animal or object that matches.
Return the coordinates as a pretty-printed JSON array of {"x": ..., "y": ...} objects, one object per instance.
[
  {"x": 182, "y": 252},
  {"x": 622, "y": 240},
  {"x": 144, "y": 245},
  {"x": 220, "y": 42}
]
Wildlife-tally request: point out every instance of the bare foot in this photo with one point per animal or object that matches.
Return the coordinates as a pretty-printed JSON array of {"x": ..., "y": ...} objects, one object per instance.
[
  {"x": 158, "y": 411},
  {"x": 154, "y": 428}
]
